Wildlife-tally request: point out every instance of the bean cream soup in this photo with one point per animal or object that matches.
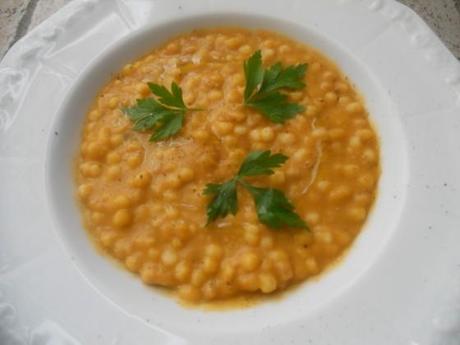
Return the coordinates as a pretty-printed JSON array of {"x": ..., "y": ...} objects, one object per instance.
[{"x": 142, "y": 201}]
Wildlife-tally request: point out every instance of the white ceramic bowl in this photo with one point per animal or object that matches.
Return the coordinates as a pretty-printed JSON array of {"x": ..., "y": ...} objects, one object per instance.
[{"x": 127, "y": 290}]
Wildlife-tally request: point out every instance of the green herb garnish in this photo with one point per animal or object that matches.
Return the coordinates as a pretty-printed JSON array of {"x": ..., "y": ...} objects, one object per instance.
[
  {"x": 272, "y": 206},
  {"x": 263, "y": 87},
  {"x": 225, "y": 199},
  {"x": 274, "y": 209},
  {"x": 165, "y": 115}
]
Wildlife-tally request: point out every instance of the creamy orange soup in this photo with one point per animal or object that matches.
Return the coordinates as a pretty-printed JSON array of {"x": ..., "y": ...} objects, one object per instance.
[{"x": 143, "y": 203}]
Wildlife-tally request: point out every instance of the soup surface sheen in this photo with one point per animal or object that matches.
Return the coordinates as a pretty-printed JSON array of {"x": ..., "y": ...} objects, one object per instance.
[{"x": 143, "y": 204}]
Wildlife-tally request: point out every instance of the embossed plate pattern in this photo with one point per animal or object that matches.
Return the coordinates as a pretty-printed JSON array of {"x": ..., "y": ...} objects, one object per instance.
[{"x": 410, "y": 291}]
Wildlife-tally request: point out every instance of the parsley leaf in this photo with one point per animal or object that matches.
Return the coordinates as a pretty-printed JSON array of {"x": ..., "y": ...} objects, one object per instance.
[
  {"x": 261, "y": 163},
  {"x": 273, "y": 208},
  {"x": 164, "y": 115},
  {"x": 275, "y": 106},
  {"x": 224, "y": 199},
  {"x": 277, "y": 78},
  {"x": 171, "y": 99},
  {"x": 170, "y": 124},
  {"x": 262, "y": 91},
  {"x": 146, "y": 114},
  {"x": 254, "y": 73}
]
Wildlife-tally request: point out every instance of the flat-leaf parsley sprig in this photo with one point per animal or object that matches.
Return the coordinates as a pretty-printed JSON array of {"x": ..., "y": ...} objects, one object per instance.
[
  {"x": 165, "y": 114},
  {"x": 262, "y": 91},
  {"x": 272, "y": 207}
]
